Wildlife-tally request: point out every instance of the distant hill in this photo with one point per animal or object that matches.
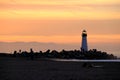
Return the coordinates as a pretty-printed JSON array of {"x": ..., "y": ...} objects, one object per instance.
[{"x": 37, "y": 46}]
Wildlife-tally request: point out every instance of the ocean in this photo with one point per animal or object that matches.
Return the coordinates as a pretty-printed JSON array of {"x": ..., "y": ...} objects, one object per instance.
[{"x": 10, "y": 47}]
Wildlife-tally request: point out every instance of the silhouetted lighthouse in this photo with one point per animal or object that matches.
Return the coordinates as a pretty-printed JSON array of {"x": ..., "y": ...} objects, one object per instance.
[{"x": 84, "y": 46}]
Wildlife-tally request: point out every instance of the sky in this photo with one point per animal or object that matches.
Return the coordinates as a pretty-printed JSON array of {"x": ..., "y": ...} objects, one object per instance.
[{"x": 60, "y": 21}]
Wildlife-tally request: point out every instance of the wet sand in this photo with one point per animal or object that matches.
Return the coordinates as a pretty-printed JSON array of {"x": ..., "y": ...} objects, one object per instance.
[{"x": 40, "y": 69}]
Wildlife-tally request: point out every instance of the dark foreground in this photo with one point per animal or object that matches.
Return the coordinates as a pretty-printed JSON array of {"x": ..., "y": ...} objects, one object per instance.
[{"x": 39, "y": 69}]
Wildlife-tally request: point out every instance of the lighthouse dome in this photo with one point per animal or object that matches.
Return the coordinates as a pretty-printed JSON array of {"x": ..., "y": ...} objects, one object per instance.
[{"x": 84, "y": 33}]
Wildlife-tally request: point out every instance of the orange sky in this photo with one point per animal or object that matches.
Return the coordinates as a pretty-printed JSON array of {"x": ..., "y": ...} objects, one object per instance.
[{"x": 59, "y": 21}]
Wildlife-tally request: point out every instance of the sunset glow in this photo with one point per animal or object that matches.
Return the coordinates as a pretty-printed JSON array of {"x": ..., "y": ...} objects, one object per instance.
[
  {"x": 62, "y": 39},
  {"x": 41, "y": 20}
]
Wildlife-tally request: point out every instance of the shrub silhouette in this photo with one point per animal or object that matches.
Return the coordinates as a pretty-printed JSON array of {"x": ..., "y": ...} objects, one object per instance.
[{"x": 72, "y": 54}]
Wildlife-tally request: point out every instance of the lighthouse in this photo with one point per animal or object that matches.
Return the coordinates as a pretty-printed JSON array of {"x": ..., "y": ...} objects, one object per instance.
[{"x": 84, "y": 46}]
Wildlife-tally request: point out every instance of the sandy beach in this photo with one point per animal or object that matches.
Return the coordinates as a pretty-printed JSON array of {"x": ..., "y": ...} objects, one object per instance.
[{"x": 40, "y": 69}]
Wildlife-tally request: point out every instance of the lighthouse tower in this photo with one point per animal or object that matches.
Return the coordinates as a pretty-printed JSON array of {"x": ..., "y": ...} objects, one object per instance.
[{"x": 84, "y": 46}]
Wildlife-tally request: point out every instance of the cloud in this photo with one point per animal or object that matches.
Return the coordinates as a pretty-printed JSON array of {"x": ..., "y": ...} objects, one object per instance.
[
  {"x": 57, "y": 6},
  {"x": 60, "y": 9}
]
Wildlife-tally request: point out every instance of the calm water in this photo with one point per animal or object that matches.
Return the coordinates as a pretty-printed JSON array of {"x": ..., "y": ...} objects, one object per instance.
[
  {"x": 77, "y": 60},
  {"x": 111, "y": 48}
]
